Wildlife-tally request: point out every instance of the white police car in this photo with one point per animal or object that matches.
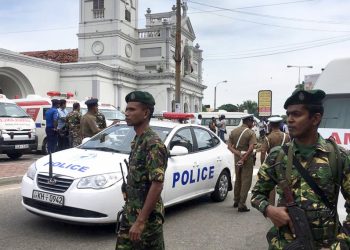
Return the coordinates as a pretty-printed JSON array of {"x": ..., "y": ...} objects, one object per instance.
[{"x": 86, "y": 183}]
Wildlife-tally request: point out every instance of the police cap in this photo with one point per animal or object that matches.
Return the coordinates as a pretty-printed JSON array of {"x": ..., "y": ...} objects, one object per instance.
[
  {"x": 275, "y": 119},
  {"x": 313, "y": 97},
  {"x": 140, "y": 96},
  {"x": 92, "y": 102},
  {"x": 248, "y": 117}
]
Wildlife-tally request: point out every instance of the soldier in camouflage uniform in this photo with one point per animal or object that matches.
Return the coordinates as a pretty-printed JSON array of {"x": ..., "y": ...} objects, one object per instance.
[
  {"x": 304, "y": 111},
  {"x": 101, "y": 120},
  {"x": 141, "y": 225},
  {"x": 73, "y": 124}
]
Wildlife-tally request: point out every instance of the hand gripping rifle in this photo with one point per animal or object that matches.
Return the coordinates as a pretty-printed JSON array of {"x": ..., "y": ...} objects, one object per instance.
[
  {"x": 304, "y": 239},
  {"x": 120, "y": 213}
]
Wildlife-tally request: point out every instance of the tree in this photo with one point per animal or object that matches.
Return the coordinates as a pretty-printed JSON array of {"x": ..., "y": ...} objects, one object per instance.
[
  {"x": 228, "y": 107},
  {"x": 250, "y": 106}
]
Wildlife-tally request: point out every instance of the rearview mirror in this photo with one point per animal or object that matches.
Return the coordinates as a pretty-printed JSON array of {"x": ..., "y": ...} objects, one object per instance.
[
  {"x": 85, "y": 140},
  {"x": 178, "y": 150}
]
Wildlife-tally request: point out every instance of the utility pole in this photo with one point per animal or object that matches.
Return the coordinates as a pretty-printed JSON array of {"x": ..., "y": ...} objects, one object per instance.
[{"x": 178, "y": 56}]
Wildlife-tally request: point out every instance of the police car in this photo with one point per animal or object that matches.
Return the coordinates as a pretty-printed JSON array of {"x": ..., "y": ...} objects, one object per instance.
[{"x": 85, "y": 183}]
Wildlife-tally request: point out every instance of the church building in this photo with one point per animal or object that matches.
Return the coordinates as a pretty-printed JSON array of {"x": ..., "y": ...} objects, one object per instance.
[{"x": 114, "y": 57}]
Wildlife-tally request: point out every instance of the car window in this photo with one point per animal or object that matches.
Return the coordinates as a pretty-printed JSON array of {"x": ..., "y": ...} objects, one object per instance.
[
  {"x": 44, "y": 112},
  {"x": 336, "y": 110},
  {"x": 118, "y": 138},
  {"x": 11, "y": 110},
  {"x": 183, "y": 138},
  {"x": 233, "y": 121},
  {"x": 204, "y": 139}
]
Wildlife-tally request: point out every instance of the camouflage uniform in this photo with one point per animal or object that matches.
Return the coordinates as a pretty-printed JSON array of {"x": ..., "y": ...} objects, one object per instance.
[
  {"x": 73, "y": 124},
  {"x": 147, "y": 163},
  {"x": 321, "y": 223},
  {"x": 101, "y": 120}
]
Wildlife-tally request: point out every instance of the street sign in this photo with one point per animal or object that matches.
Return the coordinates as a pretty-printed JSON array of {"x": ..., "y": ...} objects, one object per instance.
[{"x": 265, "y": 102}]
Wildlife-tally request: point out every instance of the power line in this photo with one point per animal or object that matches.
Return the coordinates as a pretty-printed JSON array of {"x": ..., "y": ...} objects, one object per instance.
[
  {"x": 276, "y": 25},
  {"x": 280, "y": 52},
  {"x": 258, "y": 50}
]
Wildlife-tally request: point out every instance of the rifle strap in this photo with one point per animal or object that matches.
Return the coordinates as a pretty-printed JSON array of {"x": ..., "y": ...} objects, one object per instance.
[{"x": 306, "y": 176}]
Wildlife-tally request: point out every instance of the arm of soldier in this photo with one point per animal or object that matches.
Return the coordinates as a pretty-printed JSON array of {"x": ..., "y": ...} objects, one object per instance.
[
  {"x": 267, "y": 180},
  {"x": 156, "y": 164},
  {"x": 345, "y": 189},
  {"x": 263, "y": 151},
  {"x": 232, "y": 148},
  {"x": 93, "y": 126},
  {"x": 252, "y": 143},
  {"x": 55, "y": 119}
]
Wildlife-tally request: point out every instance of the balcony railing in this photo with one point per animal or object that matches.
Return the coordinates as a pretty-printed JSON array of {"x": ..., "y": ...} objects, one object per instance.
[
  {"x": 149, "y": 34},
  {"x": 99, "y": 13}
]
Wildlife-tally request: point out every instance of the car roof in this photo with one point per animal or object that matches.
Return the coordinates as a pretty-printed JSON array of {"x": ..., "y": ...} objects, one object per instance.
[{"x": 166, "y": 124}]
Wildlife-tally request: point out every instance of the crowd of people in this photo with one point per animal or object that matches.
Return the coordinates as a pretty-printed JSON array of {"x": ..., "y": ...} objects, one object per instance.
[{"x": 65, "y": 130}]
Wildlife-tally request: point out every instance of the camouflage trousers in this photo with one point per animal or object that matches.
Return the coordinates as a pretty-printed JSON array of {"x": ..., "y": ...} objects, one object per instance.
[
  {"x": 151, "y": 238},
  {"x": 279, "y": 238},
  {"x": 74, "y": 139}
]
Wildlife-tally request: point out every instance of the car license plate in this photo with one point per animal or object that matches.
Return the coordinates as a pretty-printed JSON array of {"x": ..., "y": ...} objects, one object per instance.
[
  {"x": 21, "y": 146},
  {"x": 49, "y": 198}
]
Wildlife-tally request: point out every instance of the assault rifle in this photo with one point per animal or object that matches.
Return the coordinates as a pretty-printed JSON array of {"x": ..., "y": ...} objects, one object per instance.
[
  {"x": 120, "y": 213},
  {"x": 304, "y": 239}
]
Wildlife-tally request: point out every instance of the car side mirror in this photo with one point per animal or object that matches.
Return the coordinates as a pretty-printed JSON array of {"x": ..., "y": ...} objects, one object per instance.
[
  {"x": 85, "y": 140},
  {"x": 178, "y": 150}
]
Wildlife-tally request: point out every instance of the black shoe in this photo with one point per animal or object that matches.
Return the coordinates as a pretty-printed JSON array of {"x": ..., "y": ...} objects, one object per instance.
[
  {"x": 243, "y": 209},
  {"x": 235, "y": 204}
]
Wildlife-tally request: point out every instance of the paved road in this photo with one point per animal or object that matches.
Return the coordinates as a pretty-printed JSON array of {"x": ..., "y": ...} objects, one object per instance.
[
  {"x": 199, "y": 224},
  {"x": 10, "y": 168}
]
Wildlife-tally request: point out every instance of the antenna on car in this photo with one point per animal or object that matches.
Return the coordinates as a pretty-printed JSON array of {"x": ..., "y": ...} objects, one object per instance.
[{"x": 50, "y": 165}]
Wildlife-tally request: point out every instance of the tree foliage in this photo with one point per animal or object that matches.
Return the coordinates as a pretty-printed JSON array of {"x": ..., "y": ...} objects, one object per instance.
[
  {"x": 228, "y": 108},
  {"x": 250, "y": 106}
]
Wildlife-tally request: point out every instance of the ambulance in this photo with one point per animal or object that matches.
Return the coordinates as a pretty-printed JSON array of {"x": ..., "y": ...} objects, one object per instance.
[
  {"x": 17, "y": 130},
  {"x": 335, "y": 81},
  {"x": 36, "y": 106}
]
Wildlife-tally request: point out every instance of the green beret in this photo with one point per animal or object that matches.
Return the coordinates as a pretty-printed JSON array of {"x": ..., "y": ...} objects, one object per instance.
[
  {"x": 313, "y": 97},
  {"x": 140, "y": 96}
]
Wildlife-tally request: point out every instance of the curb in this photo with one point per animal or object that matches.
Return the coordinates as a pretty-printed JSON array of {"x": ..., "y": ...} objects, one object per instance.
[{"x": 10, "y": 180}]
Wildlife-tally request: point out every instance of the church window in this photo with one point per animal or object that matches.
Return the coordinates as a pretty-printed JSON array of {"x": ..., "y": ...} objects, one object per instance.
[
  {"x": 99, "y": 9},
  {"x": 127, "y": 15}
]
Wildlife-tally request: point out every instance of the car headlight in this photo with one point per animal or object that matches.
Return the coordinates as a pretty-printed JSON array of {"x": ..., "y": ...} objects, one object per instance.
[
  {"x": 99, "y": 181},
  {"x": 31, "y": 171}
]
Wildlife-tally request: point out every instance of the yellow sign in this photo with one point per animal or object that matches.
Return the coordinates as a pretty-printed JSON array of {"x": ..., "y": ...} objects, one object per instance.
[{"x": 265, "y": 102}]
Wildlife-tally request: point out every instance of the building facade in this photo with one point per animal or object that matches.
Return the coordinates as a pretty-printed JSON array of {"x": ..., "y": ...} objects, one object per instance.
[{"x": 114, "y": 57}]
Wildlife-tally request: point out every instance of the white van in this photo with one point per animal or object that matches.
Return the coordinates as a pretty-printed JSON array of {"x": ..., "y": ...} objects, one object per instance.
[
  {"x": 233, "y": 120},
  {"x": 36, "y": 106},
  {"x": 17, "y": 130},
  {"x": 335, "y": 81}
]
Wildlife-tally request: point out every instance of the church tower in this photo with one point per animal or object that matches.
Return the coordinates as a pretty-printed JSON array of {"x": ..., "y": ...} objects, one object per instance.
[{"x": 108, "y": 31}]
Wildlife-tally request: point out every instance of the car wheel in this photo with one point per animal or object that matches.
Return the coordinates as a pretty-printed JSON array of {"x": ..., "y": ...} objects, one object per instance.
[
  {"x": 14, "y": 155},
  {"x": 221, "y": 187},
  {"x": 44, "y": 149}
]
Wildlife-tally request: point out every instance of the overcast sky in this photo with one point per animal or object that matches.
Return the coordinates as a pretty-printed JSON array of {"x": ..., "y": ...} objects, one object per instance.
[{"x": 249, "y": 43}]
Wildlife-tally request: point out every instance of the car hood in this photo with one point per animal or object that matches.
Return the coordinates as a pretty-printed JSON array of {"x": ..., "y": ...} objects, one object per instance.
[{"x": 79, "y": 163}]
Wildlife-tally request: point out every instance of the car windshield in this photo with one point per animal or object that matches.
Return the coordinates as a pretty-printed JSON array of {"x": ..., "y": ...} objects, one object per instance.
[
  {"x": 11, "y": 110},
  {"x": 110, "y": 114},
  {"x": 118, "y": 138},
  {"x": 336, "y": 110}
]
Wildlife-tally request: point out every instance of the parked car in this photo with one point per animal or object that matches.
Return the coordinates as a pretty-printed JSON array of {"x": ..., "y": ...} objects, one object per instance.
[{"x": 86, "y": 183}]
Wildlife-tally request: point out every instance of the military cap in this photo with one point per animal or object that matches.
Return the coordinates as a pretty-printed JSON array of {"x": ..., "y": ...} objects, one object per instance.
[
  {"x": 92, "y": 102},
  {"x": 275, "y": 119},
  {"x": 140, "y": 96},
  {"x": 248, "y": 117},
  {"x": 313, "y": 97}
]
